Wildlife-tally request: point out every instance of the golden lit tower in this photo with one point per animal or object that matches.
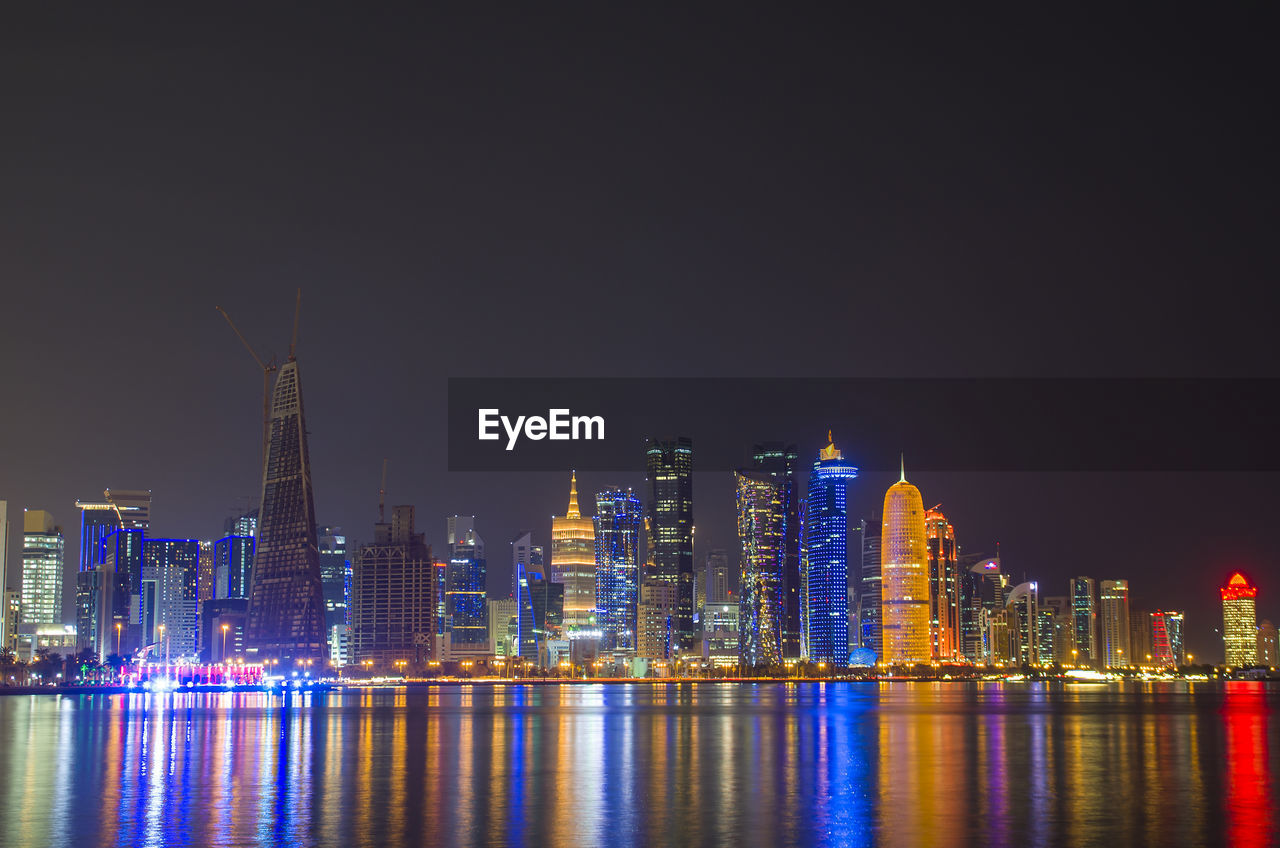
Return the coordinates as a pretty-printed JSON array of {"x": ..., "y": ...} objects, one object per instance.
[
  {"x": 573, "y": 561},
  {"x": 904, "y": 569},
  {"x": 944, "y": 586},
  {"x": 1240, "y": 621}
]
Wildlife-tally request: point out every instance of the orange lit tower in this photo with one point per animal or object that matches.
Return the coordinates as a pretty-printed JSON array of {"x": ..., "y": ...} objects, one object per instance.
[
  {"x": 904, "y": 567},
  {"x": 1239, "y": 621},
  {"x": 573, "y": 561},
  {"x": 944, "y": 586}
]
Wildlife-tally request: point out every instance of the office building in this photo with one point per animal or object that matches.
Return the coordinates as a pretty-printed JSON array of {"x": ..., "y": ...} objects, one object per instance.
[
  {"x": 1267, "y": 645},
  {"x": 1239, "y": 622},
  {"x": 762, "y": 525},
  {"x": 720, "y": 634},
  {"x": 716, "y": 578},
  {"x": 233, "y": 566},
  {"x": 778, "y": 461},
  {"x": 286, "y": 599},
  {"x": 525, "y": 552},
  {"x": 539, "y": 614},
  {"x": 1084, "y": 613},
  {"x": 904, "y": 570},
  {"x": 169, "y": 603},
  {"x": 1022, "y": 615},
  {"x": 1166, "y": 639},
  {"x": 465, "y": 589},
  {"x": 573, "y": 562},
  {"x": 617, "y": 539},
  {"x": 826, "y": 557},
  {"x": 669, "y": 481},
  {"x": 335, "y": 580},
  {"x": 222, "y": 629},
  {"x": 1140, "y": 639},
  {"x": 43, "y": 548},
  {"x": 944, "y": 586},
  {"x": 656, "y": 620},
  {"x": 503, "y": 628},
  {"x": 393, "y": 595},
  {"x": 1113, "y": 614},
  {"x": 869, "y": 597}
]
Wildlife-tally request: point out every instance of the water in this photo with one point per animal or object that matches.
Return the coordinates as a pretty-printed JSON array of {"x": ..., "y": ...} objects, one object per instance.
[{"x": 620, "y": 765}]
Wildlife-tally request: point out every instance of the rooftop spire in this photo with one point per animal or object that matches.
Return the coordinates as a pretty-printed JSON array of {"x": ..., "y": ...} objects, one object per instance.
[
  {"x": 573, "y": 511},
  {"x": 902, "y": 464}
]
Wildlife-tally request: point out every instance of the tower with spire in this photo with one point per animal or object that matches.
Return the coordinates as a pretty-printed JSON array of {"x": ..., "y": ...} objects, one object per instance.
[
  {"x": 904, "y": 570},
  {"x": 573, "y": 561},
  {"x": 826, "y": 557}
]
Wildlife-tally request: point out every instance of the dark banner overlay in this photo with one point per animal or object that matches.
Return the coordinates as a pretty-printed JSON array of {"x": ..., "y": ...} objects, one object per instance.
[{"x": 553, "y": 424}]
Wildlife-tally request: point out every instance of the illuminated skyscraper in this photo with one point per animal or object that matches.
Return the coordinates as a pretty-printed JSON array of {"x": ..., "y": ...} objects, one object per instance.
[
  {"x": 573, "y": 561},
  {"x": 1239, "y": 621},
  {"x": 669, "y": 477},
  {"x": 1022, "y": 612},
  {"x": 540, "y": 612},
  {"x": 1113, "y": 607},
  {"x": 1166, "y": 639},
  {"x": 1267, "y": 648},
  {"x": 761, "y": 533},
  {"x": 42, "y": 557},
  {"x": 982, "y": 597},
  {"x": 717, "y": 577},
  {"x": 617, "y": 524},
  {"x": 778, "y": 461},
  {"x": 827, "y": 556},
  {"x": 119, "y": 509},
  {"x": 233, "y": 566},
  {"x": 944, "y": 586},
  {"x": 286, "y": 600},
  {"x": 119, "y": 628},
  {"x": 465, "y": 587},
  {"x": 904, "y": 569},
  {"x": 869, "y": 599},
  {"x": 1084, "y": 614},
  {"x": 335, "y": 578},
  {"x": 169, "y": 600},
  {"x": 656, "y": 620}
]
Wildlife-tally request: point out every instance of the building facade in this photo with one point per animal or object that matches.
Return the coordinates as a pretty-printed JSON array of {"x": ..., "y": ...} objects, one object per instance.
[
  {"x": 826, "y": 556},
  {"x": 944, "y": 586},
  {"x": 869, "y": 596},
  {"x": 1239, "y": 622},
  {"x": 617, "y": 540},
  {"x": 778, "y": 461},
  {"x": 904, "y": 569},
  {"x": 393, "y": 595},
  {"x": 669, "y": 481},
  {"x": 1113, "y": 614},
  {"x": 762, "y": 606},
  {"x": 573, "y": 562},
  {"x": 43, "y": 549}
]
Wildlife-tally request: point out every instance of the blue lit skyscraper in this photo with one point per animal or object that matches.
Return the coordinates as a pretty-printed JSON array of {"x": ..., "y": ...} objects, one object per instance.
[
  {"x": 827, "y": 557},
  {"x": 617, "y": 525},
  {"x": 465, "y": 586},
  {"x": 869, "y": 587},
  {"x": 761, "y": 533}
]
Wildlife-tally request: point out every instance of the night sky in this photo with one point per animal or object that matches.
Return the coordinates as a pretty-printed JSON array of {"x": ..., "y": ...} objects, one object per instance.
[{"x": 598, "y": 191}]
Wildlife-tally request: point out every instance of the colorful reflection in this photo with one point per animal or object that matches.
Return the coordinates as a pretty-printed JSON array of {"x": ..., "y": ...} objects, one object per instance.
[{"x": 651, "y": 763}]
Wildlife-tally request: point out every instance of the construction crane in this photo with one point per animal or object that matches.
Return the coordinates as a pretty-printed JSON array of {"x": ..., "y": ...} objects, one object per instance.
[
  {"x": 382, "y": 496},
  {"x": 268, "y": 368}
]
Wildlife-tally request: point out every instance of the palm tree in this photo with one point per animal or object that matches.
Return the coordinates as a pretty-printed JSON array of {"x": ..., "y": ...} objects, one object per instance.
[{"x": 12, "y": 669}]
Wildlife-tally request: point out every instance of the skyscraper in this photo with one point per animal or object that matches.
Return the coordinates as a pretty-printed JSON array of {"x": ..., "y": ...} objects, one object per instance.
[
  {"x": 335, "y": 578},
  {"x": 656, "y": 620},
  {"x": 573, "y": 561},
  {"x": 233, "y": 566},
  {"x": 1022, "y": 611},
  {"x": 1267, "y": 645},
  {"x": 762, "y": 535},
  {"x": 904, "y": 568},
  {"x": 1084, "y": 614},
  {"x": 778, "y": 461},
  {"x": 1140, "y": 641},
  {"x": 524, "y": 551},
  {"x": 286, "y": 618},
  {"x": 119, "y": 629},
  {"x": 717, "y": 577},
  {"x": 1239, "y": 621},
  {"x": 393, "y": 594},
  {"x": 869, "y": 587},
  {"x": 617, "y": 539},
  {"x": 982, "y": 595},
  {"x": 1113, "y": 608},
  {"x": 669, "y": 477},
  {"x": 826, "y": 554},
  {"x": 169, "y": 600},
  {"x": 465, "y": 592},
  {"x": 944, "y": 586},
  {"x": 540, "y": 612},
  {"x": 1166, "y": 639},
  {"x": 42, "y": 557}
]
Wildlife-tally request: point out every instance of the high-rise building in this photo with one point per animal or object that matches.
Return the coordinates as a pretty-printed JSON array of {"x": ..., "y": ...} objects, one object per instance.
[
  {"x": 573, "y": 562},
  {"x": 762, "y": 525},
  {"x": 503, "y": 630},
  {"x": 169, "y": 600},
  {"x": 286, "y": 599},
  {"x": 233, "y": 566},
  {"x": 669, "y": 479},
  {"x": 222, "y": 629},
  {"x": 1165, "y": 647},
  {"x": 1173, "y": 622},
  {"x": 1023, "y": 615},
  {"x": 869, "y": 587},
  {"x": 97, "y": 521},
  {"x": 465, "y": 590},
  {"x": 717, "y": 577},
  {"x": 778, "y": 460},
  {"x": 720, "y": 634},
  {"x": 1084, "y": 613},
  {"x": 983, "y": 587},
  {"x": 826, "y": 556},
  {"x": 904, "y": 569},
  {"x": 1055, "y": 615},
  {"x": 656, "y": 620},
  {"x": 1113, "y": 608},
  {"x": 12, "y": 615},
  {"x": 335, "y": 579},
  {"x": 207, "y": 573},
  {"x": 393, "y": 595},
  {"x": 1140, "y": 640},
  {"x": 617, "y": 539},
  {"x": 524, "y": 552},
  {"x": 1239, "y": 622},
  {"x": 944, "y": 586},
  {"x": 42, "y": 557},
  {"x": 132, "y": 506},
  {"x": 1267, "y": 648},
  {"x": 539, "y": 612},
  {"x": 119, "y": 629}
]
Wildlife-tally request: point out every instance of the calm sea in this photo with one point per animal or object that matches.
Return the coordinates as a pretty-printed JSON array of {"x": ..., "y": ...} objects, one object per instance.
[{"x": 619, "y": 765}]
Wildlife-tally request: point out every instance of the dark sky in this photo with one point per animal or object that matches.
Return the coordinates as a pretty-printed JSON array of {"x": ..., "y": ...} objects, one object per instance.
[{"x": 599, "y": 191}]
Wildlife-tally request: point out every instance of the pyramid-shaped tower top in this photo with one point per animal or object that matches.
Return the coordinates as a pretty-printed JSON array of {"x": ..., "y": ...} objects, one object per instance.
[
  {"x": 830, "y": 451},
  {"x": 573, "y": 511}
]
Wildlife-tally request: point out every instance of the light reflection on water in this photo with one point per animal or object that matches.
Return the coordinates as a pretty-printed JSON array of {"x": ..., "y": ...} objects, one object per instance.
[{"x": 618, "y": 765}]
